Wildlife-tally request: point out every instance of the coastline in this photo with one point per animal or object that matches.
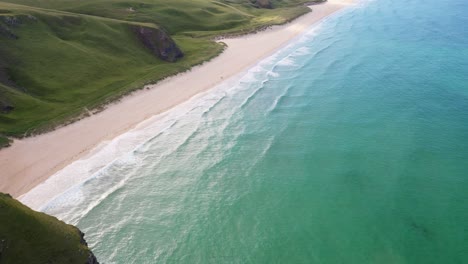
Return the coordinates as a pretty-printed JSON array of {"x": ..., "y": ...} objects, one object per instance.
[{"x": 31, "y": 161}]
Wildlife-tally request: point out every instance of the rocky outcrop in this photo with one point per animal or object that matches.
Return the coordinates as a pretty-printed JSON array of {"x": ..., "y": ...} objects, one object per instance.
[
  {"x": 7, "y": 33},
  {"x": 27, "y": 236},
  {"x": 91, "y": 258},
  {"x": 264, "y": 4},
  {"x": 12, "y": 20},
  {"x": 5, "y": 107},
  {"x": 158, "y": 42},
  {"x": 6, "y": 25}
]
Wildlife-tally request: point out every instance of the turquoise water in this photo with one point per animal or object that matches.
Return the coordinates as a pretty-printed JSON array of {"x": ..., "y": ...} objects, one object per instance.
[{"x": 350, "y": 145}]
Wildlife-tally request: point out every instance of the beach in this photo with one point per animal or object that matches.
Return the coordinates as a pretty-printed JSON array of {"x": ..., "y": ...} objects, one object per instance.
[
  {"x": 343, "y": 141},
  {"x": 31, "y": 161}
]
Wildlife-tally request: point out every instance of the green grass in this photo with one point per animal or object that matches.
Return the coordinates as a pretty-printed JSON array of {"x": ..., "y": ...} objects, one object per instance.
[
  {"x": 73, "y": 56},
  {"x": 262, "y": 18},
  {"x": 179, "y": 16},
  {"x": 31, "y": 237}
]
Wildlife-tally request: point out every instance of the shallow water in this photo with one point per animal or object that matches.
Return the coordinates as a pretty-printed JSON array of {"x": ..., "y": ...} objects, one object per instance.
[{"x": 350, "y": 145}]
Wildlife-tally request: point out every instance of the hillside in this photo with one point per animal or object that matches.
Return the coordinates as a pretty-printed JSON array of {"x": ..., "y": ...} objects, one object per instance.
[
  {"x": 61, "y": 59},
  {"x": 31, "y": 237}
]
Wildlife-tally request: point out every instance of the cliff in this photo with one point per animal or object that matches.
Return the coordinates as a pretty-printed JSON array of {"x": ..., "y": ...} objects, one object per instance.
[{"x": 27, "y": 236}]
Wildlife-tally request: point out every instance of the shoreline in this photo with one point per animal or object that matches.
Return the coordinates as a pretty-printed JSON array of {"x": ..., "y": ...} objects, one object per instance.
[{"x": 31, "y": 161}]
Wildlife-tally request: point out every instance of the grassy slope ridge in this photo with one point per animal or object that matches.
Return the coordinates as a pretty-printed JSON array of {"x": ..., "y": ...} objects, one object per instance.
[
  {"x": 64, "y": 64},
  {"x": 72, "y": 56},
  {"x": 31, "y": 237}
]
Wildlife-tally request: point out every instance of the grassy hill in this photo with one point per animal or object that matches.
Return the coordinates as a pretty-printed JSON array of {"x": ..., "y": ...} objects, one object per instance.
[
  {"x": 31, "y": 237},
  {"x": 184, "y": 16},
  {"x": 61, "y": 58}
]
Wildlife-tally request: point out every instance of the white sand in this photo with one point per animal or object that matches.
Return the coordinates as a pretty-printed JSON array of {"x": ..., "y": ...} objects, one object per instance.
[{"x": 31, "y": 161}]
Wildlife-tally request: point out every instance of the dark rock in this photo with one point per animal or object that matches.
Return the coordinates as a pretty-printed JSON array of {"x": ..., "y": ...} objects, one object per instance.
[
  {"x": 7, "y": 109},
  {"x": 91, "y": 258},
  {"x": 158, "y": 42},
  {"x": 264, "y": 4},
  {"x": 5, "y": 104},
  {"x": 5, "y": 75},
  {"x": 6, "y": 32},
  {"x": 12, "y": 20},
  {"x": 82, "y": 240}
]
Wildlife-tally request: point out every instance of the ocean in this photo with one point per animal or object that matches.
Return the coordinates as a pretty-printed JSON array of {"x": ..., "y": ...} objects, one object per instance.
[{"x": 349, "y": 145}]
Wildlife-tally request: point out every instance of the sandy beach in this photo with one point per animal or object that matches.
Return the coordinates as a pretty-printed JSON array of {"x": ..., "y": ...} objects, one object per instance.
[{"x": 31, "y": 161}]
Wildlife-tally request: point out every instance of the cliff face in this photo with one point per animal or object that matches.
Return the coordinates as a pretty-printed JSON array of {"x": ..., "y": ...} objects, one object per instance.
[
  {"x": 31, "y": 237},
  {"x": 158, "y": 42}
]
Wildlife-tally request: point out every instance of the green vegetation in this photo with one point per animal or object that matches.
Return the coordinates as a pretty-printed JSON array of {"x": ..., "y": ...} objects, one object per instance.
[
  {"x": 183, "y": 16},
  {"x": 61, "y": 58},
  {"x": 62, "y": 65},
  {"x": 31, "y": 237}
]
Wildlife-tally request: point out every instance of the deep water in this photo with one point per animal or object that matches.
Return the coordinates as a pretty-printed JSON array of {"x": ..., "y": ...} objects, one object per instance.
[{"x": 350, "y": 145}]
